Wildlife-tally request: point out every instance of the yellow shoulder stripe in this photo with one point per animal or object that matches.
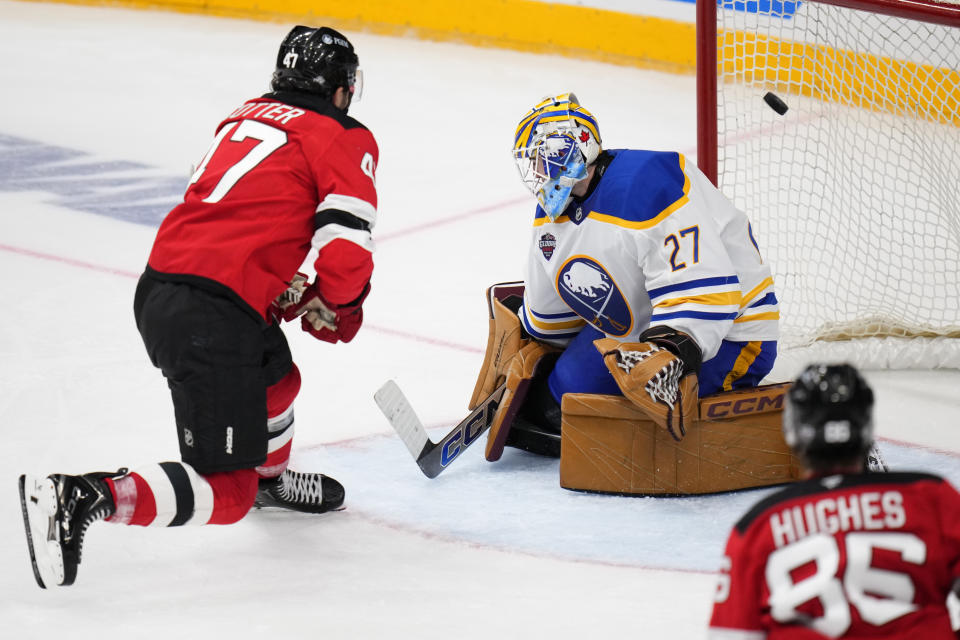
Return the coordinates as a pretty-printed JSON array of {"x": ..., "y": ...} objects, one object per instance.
[{"x": 657, "y": 219}]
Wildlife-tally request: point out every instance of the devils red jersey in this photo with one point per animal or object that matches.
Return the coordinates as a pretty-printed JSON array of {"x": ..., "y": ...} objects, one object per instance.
[
  {"x": 285, "y": 172},
  {"x": 861, "y": 556}
]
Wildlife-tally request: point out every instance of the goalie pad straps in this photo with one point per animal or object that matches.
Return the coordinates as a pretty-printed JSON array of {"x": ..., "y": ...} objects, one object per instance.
[
  {"x": 523, "y": 366},
  {"x": 679, "y": 344},
  {"x": 657, "y": 381},
  {"x": 503, "y": 343}
]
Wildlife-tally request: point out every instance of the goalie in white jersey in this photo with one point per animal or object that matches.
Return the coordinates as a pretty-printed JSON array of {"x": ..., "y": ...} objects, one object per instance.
[{"x": 640, "y": 247}]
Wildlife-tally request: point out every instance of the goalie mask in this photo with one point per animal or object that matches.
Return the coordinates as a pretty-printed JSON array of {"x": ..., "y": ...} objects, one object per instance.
[
  {"x": 317, "y": 61},
  {"x": 828, "y": 417},
  {"x": 553, "y": 146}
]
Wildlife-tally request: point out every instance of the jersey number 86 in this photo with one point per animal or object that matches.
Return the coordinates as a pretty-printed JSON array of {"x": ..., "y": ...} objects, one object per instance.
[{"x": 836, "y": 596}]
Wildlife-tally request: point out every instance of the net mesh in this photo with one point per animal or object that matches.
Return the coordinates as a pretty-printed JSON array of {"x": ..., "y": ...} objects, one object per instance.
[{"x": 854, "y": 192}]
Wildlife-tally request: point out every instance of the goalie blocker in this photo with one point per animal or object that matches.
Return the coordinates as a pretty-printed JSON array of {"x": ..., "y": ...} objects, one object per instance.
[
  {"x": 514, "y": 359},
  {"x": 638, "y": 444}
]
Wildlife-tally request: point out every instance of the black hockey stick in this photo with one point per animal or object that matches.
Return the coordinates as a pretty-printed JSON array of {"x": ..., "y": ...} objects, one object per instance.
[{"x": 434, "y": 457}]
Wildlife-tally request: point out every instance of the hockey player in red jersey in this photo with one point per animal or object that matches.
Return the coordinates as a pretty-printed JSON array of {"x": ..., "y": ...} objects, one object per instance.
[
  {"x": 844, "y": 553},
  {"x": 286, "y": 173}
]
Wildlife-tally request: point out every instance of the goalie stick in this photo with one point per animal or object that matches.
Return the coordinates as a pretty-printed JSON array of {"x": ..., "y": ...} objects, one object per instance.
[{"x": 434, "y": 457}]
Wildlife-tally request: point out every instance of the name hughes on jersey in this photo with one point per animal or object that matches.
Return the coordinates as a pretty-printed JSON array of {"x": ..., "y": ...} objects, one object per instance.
[
  {"x": 282, "y": 113},
  {"x": 870, "y": 510}
]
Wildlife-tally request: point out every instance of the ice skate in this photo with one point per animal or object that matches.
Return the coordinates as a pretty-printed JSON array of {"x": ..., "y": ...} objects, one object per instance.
[
  {"x": 875, "y": 461},
  {"x": 56, "y": 513},
  {"x": 307, "y": 492}
]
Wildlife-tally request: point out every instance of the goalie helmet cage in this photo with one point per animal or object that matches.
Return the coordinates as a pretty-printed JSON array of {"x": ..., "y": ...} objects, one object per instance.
[{"x": 854, "y": 192}]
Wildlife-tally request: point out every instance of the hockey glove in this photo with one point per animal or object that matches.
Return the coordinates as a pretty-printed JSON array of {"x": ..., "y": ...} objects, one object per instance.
[
  {"x": 318, "y": 317},
  {"x": 506, "y": 337},
  {"x": 658, "y": 375},
  {"x": 523, "y": 366},
  {"x": 285, "y": 305}
]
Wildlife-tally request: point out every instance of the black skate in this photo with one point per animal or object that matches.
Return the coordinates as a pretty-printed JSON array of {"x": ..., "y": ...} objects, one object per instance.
[
  {"x": 56, "y": 513},
  {"x": 307, "y": 492}
]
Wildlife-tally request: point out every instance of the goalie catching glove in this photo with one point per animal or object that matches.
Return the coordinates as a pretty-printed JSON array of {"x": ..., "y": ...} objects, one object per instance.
[
  {"x": 320, "y": 318},
  {"x": 659, "y": 375}
]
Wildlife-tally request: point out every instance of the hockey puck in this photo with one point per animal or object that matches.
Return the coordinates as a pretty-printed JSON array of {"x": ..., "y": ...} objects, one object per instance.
[{"x": 775, "y": 103}]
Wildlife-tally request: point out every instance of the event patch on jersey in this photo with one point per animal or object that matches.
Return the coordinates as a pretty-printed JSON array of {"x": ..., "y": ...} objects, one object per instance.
[
  {"x": 547, "y": 245},
  {"x": 590, "y": 291}
]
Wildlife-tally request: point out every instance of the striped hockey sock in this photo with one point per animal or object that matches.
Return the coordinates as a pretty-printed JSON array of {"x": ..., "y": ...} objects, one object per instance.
[
  {"x": 280, "y": 397},
  {"x": 280, "y": 429},
  {"x": 170, "y": 494}
]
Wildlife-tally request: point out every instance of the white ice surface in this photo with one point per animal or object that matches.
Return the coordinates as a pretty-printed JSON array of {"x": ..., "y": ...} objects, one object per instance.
[{"x": 485, "y": 550}]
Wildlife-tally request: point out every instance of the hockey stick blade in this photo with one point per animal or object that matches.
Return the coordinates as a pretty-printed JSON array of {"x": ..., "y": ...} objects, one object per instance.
[{"x": 434, "y": 457}]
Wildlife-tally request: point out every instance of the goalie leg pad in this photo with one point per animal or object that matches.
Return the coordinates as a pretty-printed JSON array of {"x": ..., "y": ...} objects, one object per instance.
[
  {"x": 504, "y": 340},
  {"x": 611, "y": 446},
  {"x": 532, "y": 437},
  {"x": 655, "y": 380},
  {"x": 522, "y": 369},
  {"x": 536, "y": 427}
]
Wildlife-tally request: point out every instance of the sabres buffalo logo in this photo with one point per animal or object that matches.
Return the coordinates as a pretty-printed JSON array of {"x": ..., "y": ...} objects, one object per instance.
[
  {"x": 547, "y": 244},
  {"x": 590, "y": 291}
]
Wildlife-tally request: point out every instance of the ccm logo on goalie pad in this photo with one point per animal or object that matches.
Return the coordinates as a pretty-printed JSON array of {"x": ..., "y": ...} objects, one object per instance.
[
  {"x": 464, "y": 437},
  {"x": 753, "y": 404}
]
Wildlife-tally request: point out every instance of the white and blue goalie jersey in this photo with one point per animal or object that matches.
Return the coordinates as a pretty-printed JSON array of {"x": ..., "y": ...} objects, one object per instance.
[{"x": 655, "y": 243}]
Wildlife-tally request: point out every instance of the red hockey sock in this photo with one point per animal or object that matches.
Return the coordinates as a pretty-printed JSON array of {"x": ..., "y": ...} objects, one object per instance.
[
  {"x": 233, "y": 495},
  {"x": 172, "y": 494},
  {"x": 280, "y": 399}
]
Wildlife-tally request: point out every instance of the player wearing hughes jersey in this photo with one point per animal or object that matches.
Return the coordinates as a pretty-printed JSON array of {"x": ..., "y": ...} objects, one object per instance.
[
  {"x": 286, "y": 173},
  {"x": 845, "y": 553},
  {"x": 640, "y": 247}
]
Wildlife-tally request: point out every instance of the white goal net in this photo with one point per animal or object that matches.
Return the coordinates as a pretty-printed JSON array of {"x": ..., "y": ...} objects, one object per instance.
[{"x": 853, "y": 192}]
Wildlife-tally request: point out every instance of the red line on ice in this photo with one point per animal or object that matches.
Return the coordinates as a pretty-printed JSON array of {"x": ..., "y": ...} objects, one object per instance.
[
  {"x": 129, "y": 274},
  {"x": 449, "y": 220},
  {"x": 70, "y": 261}
]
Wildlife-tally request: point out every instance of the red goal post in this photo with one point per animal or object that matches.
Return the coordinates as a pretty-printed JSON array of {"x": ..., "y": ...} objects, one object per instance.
[{"x": 854, "y": 191}]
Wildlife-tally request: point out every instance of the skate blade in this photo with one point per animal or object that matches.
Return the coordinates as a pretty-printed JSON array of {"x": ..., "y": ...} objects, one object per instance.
[
  {"x": 875, "y": 461},
  {"x": 38, "y": 501},
  {"x": 276, "y": 508}
]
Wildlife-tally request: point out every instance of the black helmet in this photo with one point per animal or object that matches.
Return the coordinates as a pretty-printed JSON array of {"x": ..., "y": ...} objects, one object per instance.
[
  {"x": 828, "y": 418},
  {"x": 316, "y": 60}
]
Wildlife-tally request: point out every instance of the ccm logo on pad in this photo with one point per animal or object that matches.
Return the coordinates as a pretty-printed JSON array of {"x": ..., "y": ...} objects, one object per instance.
[{"x": 754, "y": 403}]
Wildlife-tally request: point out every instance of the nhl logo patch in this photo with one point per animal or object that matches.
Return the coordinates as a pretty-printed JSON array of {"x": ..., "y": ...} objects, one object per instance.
[{"x": 547, "y": 244}]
